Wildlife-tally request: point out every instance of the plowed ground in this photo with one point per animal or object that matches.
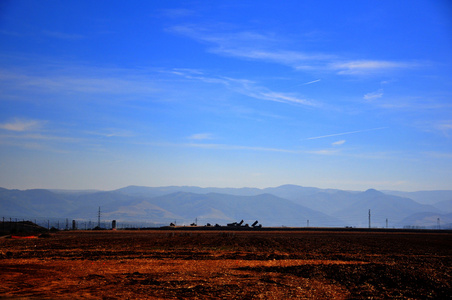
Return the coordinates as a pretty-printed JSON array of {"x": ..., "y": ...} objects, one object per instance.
[{"x": 227, "y": 265}]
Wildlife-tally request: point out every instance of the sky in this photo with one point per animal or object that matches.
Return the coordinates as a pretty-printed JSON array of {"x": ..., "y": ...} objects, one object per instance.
[{"x": 330, "y": 94}]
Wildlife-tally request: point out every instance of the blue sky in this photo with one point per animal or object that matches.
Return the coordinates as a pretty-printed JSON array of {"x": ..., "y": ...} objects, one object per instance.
[{"x": 331, "y": 94}]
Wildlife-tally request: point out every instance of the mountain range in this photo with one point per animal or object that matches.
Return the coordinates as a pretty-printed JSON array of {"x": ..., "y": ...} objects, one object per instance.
[{"x": 287, "y": 205}]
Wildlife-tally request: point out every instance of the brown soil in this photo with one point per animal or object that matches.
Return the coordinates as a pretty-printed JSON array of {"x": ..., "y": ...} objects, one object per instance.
[{"x": 227, "y": 265}]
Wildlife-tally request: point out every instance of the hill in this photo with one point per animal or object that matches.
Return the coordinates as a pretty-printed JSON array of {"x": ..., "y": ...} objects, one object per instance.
[{"x": 287, "y": 205}]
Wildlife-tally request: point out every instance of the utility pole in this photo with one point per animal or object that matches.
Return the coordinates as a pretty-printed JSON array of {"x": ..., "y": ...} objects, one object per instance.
[
  {"x": 386, "y": 222},
  {"x": 439, "y": 226},
  {"x": 369, "y": 218},
  {"x": 98, "y": 218},
  {"x": 307, "y": 223}
]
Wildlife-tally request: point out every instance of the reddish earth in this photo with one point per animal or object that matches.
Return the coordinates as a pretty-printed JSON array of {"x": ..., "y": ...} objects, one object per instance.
[{"x": 227, "y": 265}]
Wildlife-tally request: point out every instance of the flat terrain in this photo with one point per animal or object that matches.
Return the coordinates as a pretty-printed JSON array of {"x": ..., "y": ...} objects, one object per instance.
[{"x": 227, "y": 265}]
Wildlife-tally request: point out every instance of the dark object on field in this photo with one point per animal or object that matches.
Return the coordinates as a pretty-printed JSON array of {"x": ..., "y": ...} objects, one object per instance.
[
  {"x": 254, "y": 225},
  {"x": 235, "y": 224},
  {"x": 53, "y": 229},
  {"x": 20, "y": 228}
]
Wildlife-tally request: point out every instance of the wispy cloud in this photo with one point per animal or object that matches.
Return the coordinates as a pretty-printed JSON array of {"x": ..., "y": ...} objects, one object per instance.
[
  {"x": 201, "y": 136},
  {"x": 311, "y": 82},
  {"x": 374, "y": 95},
  {"x": 280, "y": 97},
  {"x": 297, "y": 60},
  {"x": 41, "y": 142},
  {"x": 414, "y": 103},
  {"x": 357, "y": 67},
  {"x": 439, "y": 155},
  {"x": 22, "y": 125},
  {"x": 324, "y": 152},
  {"x": 338, "y": 143},
  {"x": 249, "y": 88},
  {"x": 41, "y": 137},
  {"x": 63, "y": 35},
  {"x": 178, "y": 12},
  {"x": 110, "y": 132},
  {"x": 224, "y": 147},
  {"x": 37, "y": 135},
  {"x": 68, "y": 78},
  {"x": 444, "y": 126},
  {"x": 270, "y": 48},
  {"x": 250, "y": 45},
  {"x": 437, "y": 127},
  {"x": 238, "y": 147},
  {"x": 253, "y": 90},
  {"x": 345, "y": 133}
]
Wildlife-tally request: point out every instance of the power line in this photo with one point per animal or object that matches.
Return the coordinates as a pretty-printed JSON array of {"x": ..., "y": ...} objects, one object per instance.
[{"x": 98, "y": 218}]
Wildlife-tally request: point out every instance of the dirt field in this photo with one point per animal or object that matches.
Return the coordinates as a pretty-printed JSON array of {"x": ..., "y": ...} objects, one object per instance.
[{"x": 227, "y": 265}]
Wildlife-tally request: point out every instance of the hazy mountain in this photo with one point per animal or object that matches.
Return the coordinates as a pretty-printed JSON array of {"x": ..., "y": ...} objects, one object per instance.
[
  {"x": 221, "y": 208},
  {"x": 327, "y": 201},
  {"x": 287, "y": 191},
  {"x": 140, "y": 211},
  {"x": 444, "y": 206},
  {"x": 427, "y": 220},
  {"x": 291, "y": 192},
  {"x": 288, "y": 205},
  {"x": 181, "y": 207},
  {"x": 382, "y": 207},
  {"x": 143, "y": 191},
  {"x": 87, "y": 205},
  {"x": 35, "y": 202},
  {"x": 424, "y": 197}
]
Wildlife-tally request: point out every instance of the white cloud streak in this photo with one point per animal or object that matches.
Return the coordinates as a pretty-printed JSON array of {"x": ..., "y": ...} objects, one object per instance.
[
  {"x": 112, "y": 133},
  {"x": 224, "y": 147},
  {"x": 374, "y": 95},
  {"x": 22, "y": 125},
  {"x": 324, "y": 152},
  {"x": 256, "y": 46},
  {"x": 237, "y": 147},
  {"x": 311, "y": 82},
  {"x": 359, "y": 67},
  {"x": 249, "y": 88},
  {"x": 338, "y": 143},
  {"x": 438, "y": 155},
  {"x": 67, "y": 78},
  {"x": 445, "y": 127},
  {"x": 201, "y": 136},
  {"x": 345, "y": 133}
]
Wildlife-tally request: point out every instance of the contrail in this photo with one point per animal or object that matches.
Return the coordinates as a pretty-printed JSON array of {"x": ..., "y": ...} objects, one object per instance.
[
  {"x": 314, "y": 81},
  {"x": 344, "y": 133}
]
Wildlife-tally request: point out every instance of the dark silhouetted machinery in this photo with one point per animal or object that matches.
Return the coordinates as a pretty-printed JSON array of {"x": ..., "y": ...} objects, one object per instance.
[{"x": 240, "y": 224}]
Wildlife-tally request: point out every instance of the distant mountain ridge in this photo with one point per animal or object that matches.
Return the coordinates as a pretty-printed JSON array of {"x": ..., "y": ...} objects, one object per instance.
[{"x": 286, "y": 205}]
